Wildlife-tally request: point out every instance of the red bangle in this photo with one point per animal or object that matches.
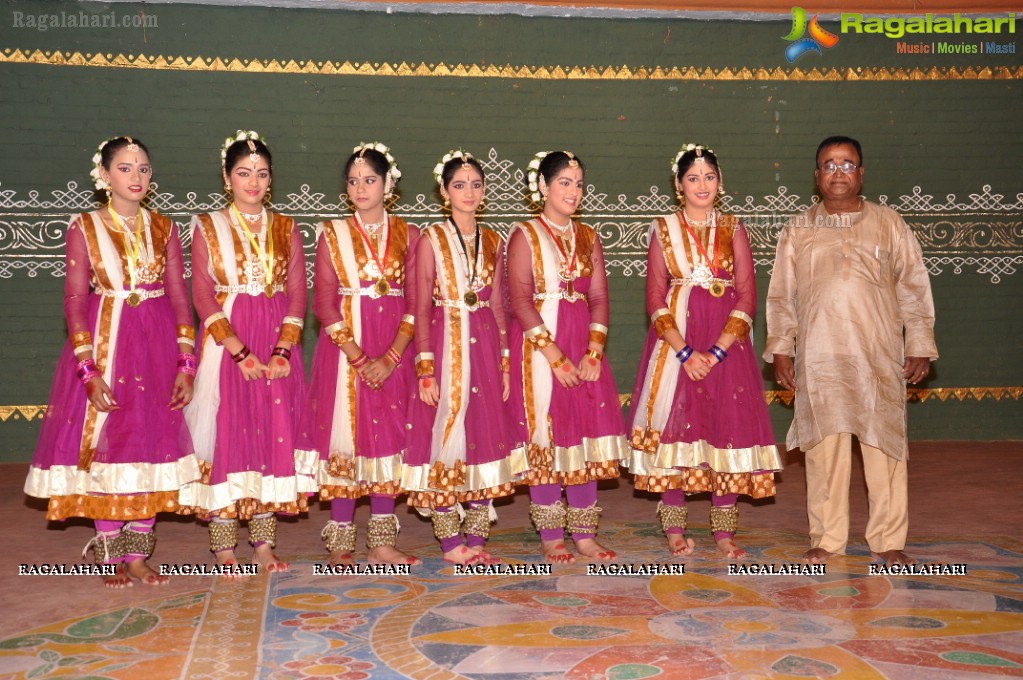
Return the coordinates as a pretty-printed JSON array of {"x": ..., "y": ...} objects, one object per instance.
[
  {"x": 359, "y": 361},
  {"x": 241, "y": 355},
  {"x": 282, "y": 352}
]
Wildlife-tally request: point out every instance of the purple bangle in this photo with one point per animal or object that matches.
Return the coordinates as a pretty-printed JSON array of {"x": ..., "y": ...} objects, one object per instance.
[
  {"x": 87, "y": 370},
  {"x": 282, "y": 352},
  {"x": 188, "y": 363},
  {"x": 240, "y": 356},
  {"x": 393, "y": 355},
  {"x": 359, "y": 361}
]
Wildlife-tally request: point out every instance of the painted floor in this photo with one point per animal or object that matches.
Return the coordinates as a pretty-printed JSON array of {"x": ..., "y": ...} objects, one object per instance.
[{"x": 433, "y": 623}]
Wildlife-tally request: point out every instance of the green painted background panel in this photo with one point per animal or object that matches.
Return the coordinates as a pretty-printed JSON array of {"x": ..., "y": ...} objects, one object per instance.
[{"x": 959, "y": 137}]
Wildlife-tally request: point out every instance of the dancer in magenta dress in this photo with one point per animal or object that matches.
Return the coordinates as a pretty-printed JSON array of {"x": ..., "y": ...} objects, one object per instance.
[
  {"x": 249, "y": 287},
  {"x": 463, "y": 447},
  {"x": 698, "y": 419},
  {"x": 362, "y": 370},
  {"x": 114, "y": 446},
  {"x": 563, "y": 397}
]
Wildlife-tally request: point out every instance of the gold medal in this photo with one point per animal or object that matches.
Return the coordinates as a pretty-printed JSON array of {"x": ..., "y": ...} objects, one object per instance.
[
  {"x": 471, "y": 298},
  {"x": 382, "y": 287},
  {"x": 134, "y": 299},
  {"x": 269, "y": 290},
  {"x": 717, "y": 289}
]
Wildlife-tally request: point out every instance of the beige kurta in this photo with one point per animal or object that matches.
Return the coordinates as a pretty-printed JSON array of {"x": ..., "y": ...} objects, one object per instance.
[{"x": 850, "y": 299}]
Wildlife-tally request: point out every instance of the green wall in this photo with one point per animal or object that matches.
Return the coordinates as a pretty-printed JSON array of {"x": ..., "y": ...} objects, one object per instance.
[{"x": 941, "y": 137}]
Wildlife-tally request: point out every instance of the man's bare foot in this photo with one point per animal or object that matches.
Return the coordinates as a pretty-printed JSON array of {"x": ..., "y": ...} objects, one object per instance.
[
  {"x": 555, "y": 551},
  {"x": 388, "y": 554},
  {"x": 138, "y": 569},
  {"x": 892, "y": 558},
  {"x": 485, "y": 557},
  {"x": 341, "y": 558},
  {"x": 680, "y": 546},
  {"x": 589, "y": 547},
  {"x": 226, "y": 558},
  {"x": 263, "y": 555},
  {"x": 119, "y": 579},
  {"x": 729, "y": 550},
  {"x": 462, "y": 555},
  {"x": 816, "y": 556}
]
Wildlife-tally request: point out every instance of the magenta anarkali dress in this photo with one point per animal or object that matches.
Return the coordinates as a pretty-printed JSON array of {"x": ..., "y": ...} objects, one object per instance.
[
  {"x": 127, "y": 464},
  {"x": 714, "y": 434},
  {"x": 359, "y": 433},
  {"x": 575, "y": 435},
  {"x": 245, "y": 431},
  {"x": 465, "y": 448}
]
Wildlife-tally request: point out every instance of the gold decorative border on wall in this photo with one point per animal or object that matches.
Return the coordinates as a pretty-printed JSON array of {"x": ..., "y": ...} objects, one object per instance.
[
  {"x": 423, "y": 69},
  {"x": 913, "y": 394}
]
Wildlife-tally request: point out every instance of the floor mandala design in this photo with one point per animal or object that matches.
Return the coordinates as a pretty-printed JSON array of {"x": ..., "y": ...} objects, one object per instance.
[{"x": 434, "y": 624}]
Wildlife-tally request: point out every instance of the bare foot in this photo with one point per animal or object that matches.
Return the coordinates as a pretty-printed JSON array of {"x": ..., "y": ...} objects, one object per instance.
[
  {"x": 263, "y": 555},
  {"x": 388, "y": 554},
  {"x": 340, "y": 558},
  {"x": 226, "y": 558},
  {"x": 680, "y": 546},
  {"x": 556, "y": 552},
  {"x": 462, "y": 555},
  {"x": 893, "y": 558},
  {"x": 589, "y": 547},
  {"x": 485, "y": 557},
  {"x": 144, "y": 573},
  {"x": 729, "y": 550},
  {"x": 119, "y": 579},
  {"x": 816, "y": 556}
]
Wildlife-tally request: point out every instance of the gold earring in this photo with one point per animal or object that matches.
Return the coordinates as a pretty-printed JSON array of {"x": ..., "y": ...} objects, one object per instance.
[{"x": 482, "y": 205}]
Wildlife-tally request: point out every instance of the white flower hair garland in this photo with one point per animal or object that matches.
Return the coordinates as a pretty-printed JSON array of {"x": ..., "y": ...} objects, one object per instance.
[
  {"x": 97, "y": 163},
  {"x": 438, "y": 170},
  {"x": 392, "y": 166},
  {"x": 686, "y": 149},
  {"x": 533, "y": 176},
  {"x": 239, "y": 136}
]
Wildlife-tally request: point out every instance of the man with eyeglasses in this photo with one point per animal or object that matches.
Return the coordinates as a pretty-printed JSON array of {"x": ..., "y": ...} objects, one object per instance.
[{"x": 850, "y": 319}]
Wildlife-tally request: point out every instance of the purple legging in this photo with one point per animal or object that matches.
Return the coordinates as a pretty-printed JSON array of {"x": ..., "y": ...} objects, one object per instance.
[
  {"x": 472, "y": 540},
  {"x": 677, "y": 497},
  {"x": 111, "y": 526},
  {"x": 578, "y": 495},
  {"x": 343, "y": 509}
]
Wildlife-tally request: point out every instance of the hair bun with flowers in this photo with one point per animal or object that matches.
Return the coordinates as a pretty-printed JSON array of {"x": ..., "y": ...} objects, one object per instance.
[
  {"x": 533, "y": 176},
  {"x": 438, "y": 170},
  {"x": 97, "y": 163},
  {"x": 686, "y": 148},
  {"x": 392, "y": 165},
  {"x": 239, "y": 136}
]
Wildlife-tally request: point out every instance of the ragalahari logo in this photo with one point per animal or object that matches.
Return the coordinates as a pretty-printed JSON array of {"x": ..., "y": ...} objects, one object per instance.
[{"x": 818, "y": 36}]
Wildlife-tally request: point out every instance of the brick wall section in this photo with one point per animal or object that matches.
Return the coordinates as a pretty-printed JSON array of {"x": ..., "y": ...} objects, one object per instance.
[{"x": 948, "y": 137}]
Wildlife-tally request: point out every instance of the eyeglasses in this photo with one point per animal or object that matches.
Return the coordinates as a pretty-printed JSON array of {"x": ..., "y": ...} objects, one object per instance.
[{"x": 830, "y": 168}]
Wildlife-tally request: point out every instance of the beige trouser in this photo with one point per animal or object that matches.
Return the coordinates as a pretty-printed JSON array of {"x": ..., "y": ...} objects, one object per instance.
[{"x": 828, "y": 470}]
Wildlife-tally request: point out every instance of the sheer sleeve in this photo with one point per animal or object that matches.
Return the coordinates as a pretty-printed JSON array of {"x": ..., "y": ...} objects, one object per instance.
[
  {"x": 520, "y": 282},
  {"x": 175, "y": 284},
  {"x": 297, "y": 290},
  {"x": 497, "y": 297},
  {"x": 600, "y": 304},
  {"x": 77, "y": 270},
  {"x": 326, "y": 298},
  {"x": 740, "y": 319},
  {"x": 782, "y": 324},
  {"x": 422, "y": 291},
  {"x": 408, "y": 321},
  {"x": 204, "y": 296}
]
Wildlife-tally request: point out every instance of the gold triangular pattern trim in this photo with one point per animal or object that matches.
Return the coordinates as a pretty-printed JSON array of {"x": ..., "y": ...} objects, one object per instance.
[
  {"x": 422, "y": 69},
  {"x": 913, "y": 394}
]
